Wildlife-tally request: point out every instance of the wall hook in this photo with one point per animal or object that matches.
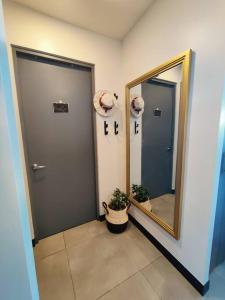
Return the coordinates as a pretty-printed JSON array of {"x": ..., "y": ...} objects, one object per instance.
[
  {"x": 106, "y": 125},
  {"x": 136, "y": 125},
  {"x": 116, "y": 125},
  {"x": 116, "y": 96}
]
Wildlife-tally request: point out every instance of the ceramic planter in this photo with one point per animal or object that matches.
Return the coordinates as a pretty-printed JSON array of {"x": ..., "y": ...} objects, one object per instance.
[{"x": 116, "y": 220}]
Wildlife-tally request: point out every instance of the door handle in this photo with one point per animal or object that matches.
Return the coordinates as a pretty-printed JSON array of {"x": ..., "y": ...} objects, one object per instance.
[
  {"x": 169, "y": 148},
  {"x": 36, "y": 167}
]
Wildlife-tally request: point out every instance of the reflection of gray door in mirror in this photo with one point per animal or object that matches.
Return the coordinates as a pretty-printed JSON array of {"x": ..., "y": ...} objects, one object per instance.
[{"x": 157, "y": 137}]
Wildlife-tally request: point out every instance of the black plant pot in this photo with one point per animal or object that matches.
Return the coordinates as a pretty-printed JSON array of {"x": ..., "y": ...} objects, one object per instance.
[{"x": 116, "y": 228}]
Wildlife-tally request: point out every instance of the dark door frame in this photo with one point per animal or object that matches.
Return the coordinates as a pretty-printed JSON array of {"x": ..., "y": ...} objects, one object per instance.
[{"x": 18, "y": 49}]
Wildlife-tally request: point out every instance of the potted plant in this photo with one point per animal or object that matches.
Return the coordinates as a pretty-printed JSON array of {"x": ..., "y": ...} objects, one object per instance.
[
  {"x": 117, "y": 212},
  {"x": 142, "y": 196}
]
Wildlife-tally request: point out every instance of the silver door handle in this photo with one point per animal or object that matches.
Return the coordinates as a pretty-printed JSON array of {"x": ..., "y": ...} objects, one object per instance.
[
  {"x": 169, "y": 148},
  {"x": 36, "y": 167}
]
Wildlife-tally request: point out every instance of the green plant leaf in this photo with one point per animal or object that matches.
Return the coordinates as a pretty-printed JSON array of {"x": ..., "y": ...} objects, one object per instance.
[
  {"x": 141, "y": 194},
  {"x": 119, "y": 200}
]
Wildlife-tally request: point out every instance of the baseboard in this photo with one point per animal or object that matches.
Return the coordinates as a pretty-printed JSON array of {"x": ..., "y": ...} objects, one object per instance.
[
  {"x": 202, "y": 289},
  {"x": 101, "y": 218},
  {"x": 34, "y": 242}
]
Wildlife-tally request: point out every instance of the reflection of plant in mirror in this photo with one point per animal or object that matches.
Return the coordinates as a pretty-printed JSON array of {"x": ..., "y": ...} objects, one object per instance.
[
  {"x": 119, "y": 200},
  {"x": 141, "y": 193}
]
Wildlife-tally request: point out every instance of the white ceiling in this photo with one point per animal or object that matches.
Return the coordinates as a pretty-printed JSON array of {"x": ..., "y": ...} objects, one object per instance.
[{"x": 113, "y": 18}]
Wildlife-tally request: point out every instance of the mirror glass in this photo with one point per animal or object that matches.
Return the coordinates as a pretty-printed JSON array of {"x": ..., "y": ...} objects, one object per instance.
[
  {"x": 156, "y": 111},
  {"x": 153, "y": 137}
]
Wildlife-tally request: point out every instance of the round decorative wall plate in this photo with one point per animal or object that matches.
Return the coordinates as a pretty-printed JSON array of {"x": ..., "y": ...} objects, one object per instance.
[
  {"x": 105, "y": 103},
  {"x": 136, "y": 105}
]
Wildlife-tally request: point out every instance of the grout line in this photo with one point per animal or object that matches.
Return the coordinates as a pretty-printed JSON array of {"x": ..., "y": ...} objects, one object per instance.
[
  {"x": 117, "y": 285},
  {"x": 152, "y": 262},
  {"x": 53, "y": 253},
  {"x": 71, "y": 277},
  {"x": 160, "y": 297},
  {"x": 140, "y": 270},
  {"x": 123, "y": 281},
  {"x": 152, "y": 287}
]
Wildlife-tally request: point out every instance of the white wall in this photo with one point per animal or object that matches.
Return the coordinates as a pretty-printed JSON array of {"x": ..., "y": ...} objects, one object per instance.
[
  {"x": 168, "y": 28},
  {"x": 17, "y": 271},
  {"x": 30, "y": 29}
]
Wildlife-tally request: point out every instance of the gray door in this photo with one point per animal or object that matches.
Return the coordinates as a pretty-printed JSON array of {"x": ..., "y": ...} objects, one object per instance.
[
  {"x": 157, "y": 137},
  {"x": 63, "y": 193}
]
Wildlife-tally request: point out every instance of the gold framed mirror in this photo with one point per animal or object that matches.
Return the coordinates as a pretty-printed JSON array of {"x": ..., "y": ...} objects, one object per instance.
[{"x": 156, "y": 111}]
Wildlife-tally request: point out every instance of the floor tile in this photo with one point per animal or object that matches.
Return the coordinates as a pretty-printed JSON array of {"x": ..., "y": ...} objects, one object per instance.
[
  {"x": 217, "y": 285},
  {"x": 54, "y": 278},
  {"x": 83, "y": 232},
  {"x": 220, "y": 270},
  {"x": 49, "y": 245},
  {"x": 134, "y": 288},
  {"x": 168, "y": 283},
  {"x": 99, "y": 264},
  {"x": 139, "y": 248}
]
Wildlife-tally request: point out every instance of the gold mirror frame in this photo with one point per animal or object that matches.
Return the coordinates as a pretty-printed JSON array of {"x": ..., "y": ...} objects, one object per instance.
[{"x": 184, "y": 59}]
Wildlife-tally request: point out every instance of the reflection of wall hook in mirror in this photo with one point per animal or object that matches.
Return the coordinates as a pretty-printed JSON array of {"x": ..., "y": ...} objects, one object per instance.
[
  {"x": 106, "y": 125},
  {"x": 136, "y": 125},
  {"x": 116, "y": 125}
]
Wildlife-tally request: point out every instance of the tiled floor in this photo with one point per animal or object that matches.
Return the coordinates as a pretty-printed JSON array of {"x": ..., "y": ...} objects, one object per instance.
[{"x": 89, "y": 263}]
